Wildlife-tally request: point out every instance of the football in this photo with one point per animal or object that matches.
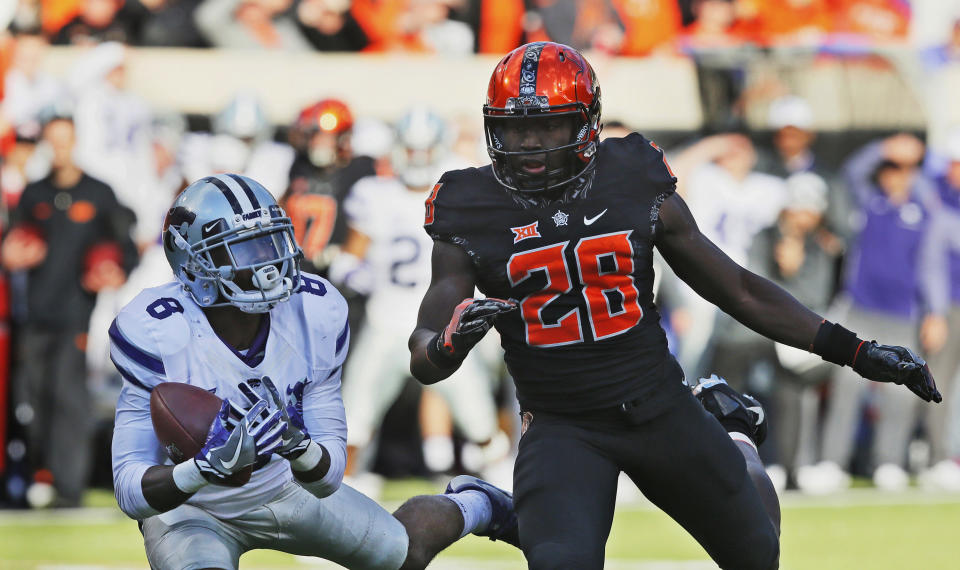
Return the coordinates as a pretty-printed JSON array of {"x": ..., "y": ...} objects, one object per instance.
[{"x": 181, "y": 416}]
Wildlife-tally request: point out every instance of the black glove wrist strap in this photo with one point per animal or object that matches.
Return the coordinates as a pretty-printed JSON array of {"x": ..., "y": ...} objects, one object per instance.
[
  {"x": 438, "y": 357},
  {"x": 836, "y": 344}
]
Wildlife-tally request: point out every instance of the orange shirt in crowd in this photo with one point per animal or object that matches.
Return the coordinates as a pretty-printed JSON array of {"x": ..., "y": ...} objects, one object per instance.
[
  {"x": 501, "y": 25},
  {"x": 718, "y": 25},
  {"x": 56, "y": 13},
  {"x": 774, "y": 20},
  {"x": 381, "y": 21},
  {"x": 648, "y": 24},
  {"x": 877, "y": 19},
  {"x": 7, "y": 136}
]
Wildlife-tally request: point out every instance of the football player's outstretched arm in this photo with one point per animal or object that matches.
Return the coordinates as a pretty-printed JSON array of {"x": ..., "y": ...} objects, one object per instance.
[
  {"x": 766, "y": 308},
  {"x": 451, "y": 281},
  {"x": 450, "y": 322}
]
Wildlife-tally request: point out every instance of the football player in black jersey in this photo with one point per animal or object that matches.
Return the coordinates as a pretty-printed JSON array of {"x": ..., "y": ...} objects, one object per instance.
[{"x": 559, "y": 234}]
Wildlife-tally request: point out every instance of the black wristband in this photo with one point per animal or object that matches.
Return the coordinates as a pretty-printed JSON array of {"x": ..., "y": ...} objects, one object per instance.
[
  {"x": 836, "y": 344},
  {"x": 440, "y": 358}
]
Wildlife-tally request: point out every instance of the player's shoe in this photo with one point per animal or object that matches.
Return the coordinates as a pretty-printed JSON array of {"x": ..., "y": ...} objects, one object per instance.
[
  {"x": 736, "y": 412},
  {"x": 503, "y": 521}
]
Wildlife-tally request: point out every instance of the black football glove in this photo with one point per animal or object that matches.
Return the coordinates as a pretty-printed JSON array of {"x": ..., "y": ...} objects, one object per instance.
[
  {"x": 471, "y": 319},
  {"x": 899, "y": 365}
]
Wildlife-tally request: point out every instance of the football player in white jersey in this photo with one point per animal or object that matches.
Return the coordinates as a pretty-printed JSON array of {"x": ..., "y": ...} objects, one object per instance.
[
  {"x": 385, "y": 214},
  {"x": 243, "y": 322}
]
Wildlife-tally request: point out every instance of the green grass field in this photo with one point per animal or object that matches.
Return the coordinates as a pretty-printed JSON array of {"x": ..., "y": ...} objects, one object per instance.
[{"x": 861, "y": 529}]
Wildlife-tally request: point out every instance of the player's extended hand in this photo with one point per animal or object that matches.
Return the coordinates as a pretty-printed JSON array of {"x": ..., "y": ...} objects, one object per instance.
[
  {"x": 899, "y": 365},
  {"x": 294, "y": 440},
  {"x": 471, "y": 319},
  {"x": 233, "y": 446}
]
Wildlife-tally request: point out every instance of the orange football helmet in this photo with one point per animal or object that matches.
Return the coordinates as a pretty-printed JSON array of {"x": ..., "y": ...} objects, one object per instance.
[
  {"x": 537, "y": 79},
  {"x": 329, "y": 115},
  {"x": 325, "y": 116}
]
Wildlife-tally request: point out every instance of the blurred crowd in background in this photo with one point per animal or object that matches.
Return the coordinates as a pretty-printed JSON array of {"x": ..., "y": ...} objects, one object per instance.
[
  {"x": 863, "y": 226},
  {"x": 623, "y": 27}
]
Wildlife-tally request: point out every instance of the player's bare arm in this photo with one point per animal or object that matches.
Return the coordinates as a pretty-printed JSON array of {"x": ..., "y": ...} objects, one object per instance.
[
  {"x": 452, "y": 281},
  {"x": 772, "y": 312},
  {"x": 160, "y": 490},
  {"x": 749, "y": 298}
]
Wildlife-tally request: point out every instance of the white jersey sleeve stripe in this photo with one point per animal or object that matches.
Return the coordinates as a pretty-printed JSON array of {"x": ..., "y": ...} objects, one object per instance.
[
  {"x": 133, "y": 352},
  {"x": 343, "y": 336},
  {"x": 129, "y": 377}
]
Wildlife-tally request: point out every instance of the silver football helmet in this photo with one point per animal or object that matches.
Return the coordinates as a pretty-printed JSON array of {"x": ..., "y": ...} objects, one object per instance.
[
  {"x": 421, "y": 143},
  {"x": 229, "y": 243}
]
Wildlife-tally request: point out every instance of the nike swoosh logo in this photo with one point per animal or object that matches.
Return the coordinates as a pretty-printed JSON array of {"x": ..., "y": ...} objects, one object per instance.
[
  {"x": 209, "y": 227},
  {"x": 587, "y": 221},
  {"x": 233, "y": 461}
]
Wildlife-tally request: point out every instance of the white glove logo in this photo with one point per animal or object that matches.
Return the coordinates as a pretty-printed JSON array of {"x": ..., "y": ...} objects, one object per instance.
[{"x": 236, "y": 455}]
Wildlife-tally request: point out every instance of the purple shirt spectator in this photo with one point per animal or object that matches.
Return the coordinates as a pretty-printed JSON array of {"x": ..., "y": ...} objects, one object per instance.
[{"x": 883, "y": 272}]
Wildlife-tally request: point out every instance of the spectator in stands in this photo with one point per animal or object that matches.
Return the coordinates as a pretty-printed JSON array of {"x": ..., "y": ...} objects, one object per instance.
[
  {"x": 876, "y": 22},
  {"x": 716, "y": 26},
  {"x": 786, "y": 22},
  {"x": 731, "y": 202},
  {"x": 799, "y": 254},
  {"x": 27, "y": 88},
  {"x": 716, "y": 43},
  {"x": 113, "y": 127},
  {"x": 882, "y": 285},
  {"x": 102, "y": 21},
  {"x": 940, "y": 332},
  {"x": 612, "y": 26},
  {"x": 937, "y": 56},
  {"x": 499, "y": 25},
  {"x": 413, "y": 25},
  {"x": 264, "y": 24},
  {"x": 648, "y": 26},
  {"x": 791, "y": 119},
  {"x": 170, "y": 23},
  {"x": 329, "y": 25},
  {"x": 72, "y": 237}
]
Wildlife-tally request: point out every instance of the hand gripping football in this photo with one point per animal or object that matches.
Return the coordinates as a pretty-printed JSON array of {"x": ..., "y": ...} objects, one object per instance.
[{"x": 181, "y": 416}]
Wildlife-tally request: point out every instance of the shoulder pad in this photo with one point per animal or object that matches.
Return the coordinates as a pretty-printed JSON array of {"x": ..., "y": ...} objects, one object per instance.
[
  {"x": 454, "y": 193},
  {"x": 646, "y": 157},
  {"x": 323, "y": 310},
  {"x": 146, "y": 332}
]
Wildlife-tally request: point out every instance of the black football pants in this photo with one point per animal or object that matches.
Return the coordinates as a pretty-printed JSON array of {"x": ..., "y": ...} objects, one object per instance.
[{"x": 565, "y": 483}]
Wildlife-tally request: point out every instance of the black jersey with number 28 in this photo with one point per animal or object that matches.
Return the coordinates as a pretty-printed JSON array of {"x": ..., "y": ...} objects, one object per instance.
[{"x": 587, "y": 335}]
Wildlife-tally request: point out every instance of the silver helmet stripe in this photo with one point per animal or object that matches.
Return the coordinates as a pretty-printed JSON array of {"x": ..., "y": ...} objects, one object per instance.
[{"x": 227, "y": 192}]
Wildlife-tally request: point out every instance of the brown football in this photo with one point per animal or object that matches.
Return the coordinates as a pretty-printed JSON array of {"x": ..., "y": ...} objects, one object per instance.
[{"x": 182, "y": 415}]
